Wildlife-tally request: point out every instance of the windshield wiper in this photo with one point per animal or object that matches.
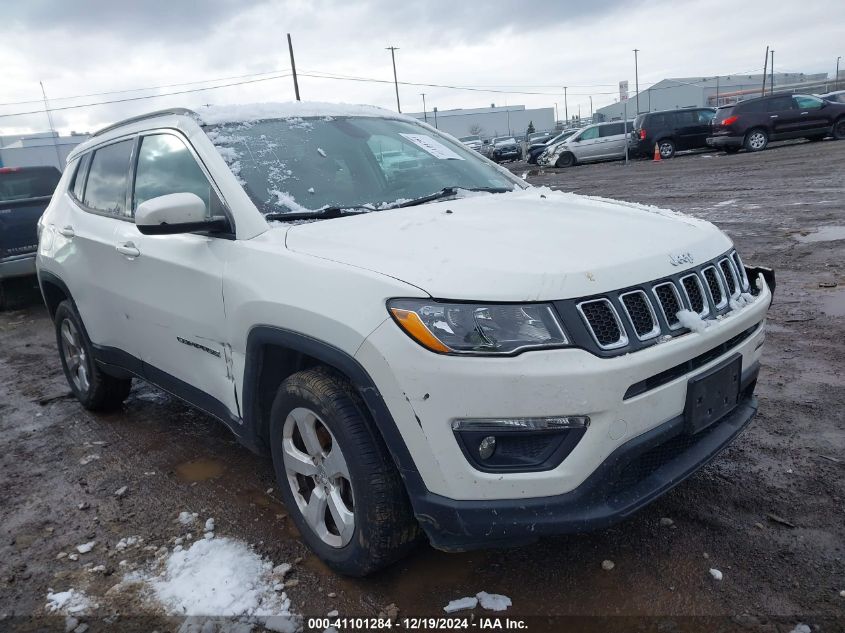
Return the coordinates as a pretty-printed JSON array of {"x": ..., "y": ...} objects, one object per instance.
[
  {"x": 450, "y": 191},
  {"x": 326, "y": 213}
]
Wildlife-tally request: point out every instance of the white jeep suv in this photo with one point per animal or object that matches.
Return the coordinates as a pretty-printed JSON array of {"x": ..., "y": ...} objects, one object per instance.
[{"x": 422, "y": 342}]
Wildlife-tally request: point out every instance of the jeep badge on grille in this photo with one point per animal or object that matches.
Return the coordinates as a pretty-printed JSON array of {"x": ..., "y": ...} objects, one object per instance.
[{"x": 678, "y": 259}]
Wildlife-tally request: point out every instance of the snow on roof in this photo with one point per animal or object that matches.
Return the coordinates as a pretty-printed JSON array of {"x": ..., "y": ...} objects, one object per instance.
[{"x": 238, "y": 113}]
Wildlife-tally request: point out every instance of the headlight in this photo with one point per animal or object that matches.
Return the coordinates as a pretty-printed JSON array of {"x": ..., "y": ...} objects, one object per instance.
[{"x": 472, "y": 328}]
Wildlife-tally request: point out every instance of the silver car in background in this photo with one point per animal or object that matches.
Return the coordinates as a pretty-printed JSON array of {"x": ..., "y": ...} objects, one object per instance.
[{"x": 601, "y": 141}]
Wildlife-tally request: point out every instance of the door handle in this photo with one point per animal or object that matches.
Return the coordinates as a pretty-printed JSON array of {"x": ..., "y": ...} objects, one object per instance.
[
  {"x": 128, "y": 248},
  {"x": 773, "y": 116},
  {"x": 67, "y": 231},
  {"x": 803, "y": 113}
]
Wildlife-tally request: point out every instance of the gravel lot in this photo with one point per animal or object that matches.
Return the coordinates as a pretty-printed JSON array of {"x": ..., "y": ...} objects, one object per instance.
[{"x": 769, "y": 513}]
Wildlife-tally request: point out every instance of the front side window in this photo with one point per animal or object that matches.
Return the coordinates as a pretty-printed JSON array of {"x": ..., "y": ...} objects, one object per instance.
[
  {"x": 165, "y": 166},
  {"x": 107, "y": 178},
  {"x": 808, "y": 103},
  {"x": 589, "y": 134},
  {"x": 302, "y": 164}
]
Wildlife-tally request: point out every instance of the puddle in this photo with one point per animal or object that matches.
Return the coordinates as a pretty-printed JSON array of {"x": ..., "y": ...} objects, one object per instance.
[
  {"x": 199, "y": 469},
  {"x": 833, "y": 303},
  {"x": 824, "y": 234}
]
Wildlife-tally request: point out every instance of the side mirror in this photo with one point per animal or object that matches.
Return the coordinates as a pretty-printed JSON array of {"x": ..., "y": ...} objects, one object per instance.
[{"x": 175, "y": 213}]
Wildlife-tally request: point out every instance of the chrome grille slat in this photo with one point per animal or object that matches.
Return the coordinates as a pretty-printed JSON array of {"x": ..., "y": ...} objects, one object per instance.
[
  {"x": 641, "y": 314},
  {"x": 731, "y": 278},
  {"x": 603, "y": 323},
  {"x": 715, "y": 287},
  {"x": 740, "y": 267},
  {"x": 694, "y": 291},
  {"x": 670, "y": 302}
]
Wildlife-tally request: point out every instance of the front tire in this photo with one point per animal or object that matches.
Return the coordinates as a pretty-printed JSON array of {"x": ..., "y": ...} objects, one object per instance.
[
  {"x": 567, "y": 159},
  {"x": 337, "y": 477},
  {"x": 756, "y": 140},
  {"x": 95, "y": 390}
]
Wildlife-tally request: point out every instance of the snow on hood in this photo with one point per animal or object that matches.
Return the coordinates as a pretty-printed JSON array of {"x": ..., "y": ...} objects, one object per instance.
[
  {"x": 528, "y": 245},
  {"x": 248, "y": 112}
]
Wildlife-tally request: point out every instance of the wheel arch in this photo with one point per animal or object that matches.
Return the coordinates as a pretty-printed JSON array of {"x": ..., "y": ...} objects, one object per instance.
[
  {"x": 53, "y": 290},
  {"x": 273, "y": 354}
]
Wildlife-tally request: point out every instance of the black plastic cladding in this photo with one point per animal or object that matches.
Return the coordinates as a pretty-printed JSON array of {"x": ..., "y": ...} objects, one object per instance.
[{"x": 581, "y": 336}]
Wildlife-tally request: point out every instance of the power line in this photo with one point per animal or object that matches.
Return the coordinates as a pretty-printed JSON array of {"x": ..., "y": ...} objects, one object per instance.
[{"x": 166, "y": 94}]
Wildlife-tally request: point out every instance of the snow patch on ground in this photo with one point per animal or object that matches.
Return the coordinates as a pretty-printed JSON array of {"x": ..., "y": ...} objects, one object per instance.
[
  {"x": 725, "y": 203},
  {"x": 218, "y": 578},
  {"x": 187, "y": 518},
  {"x": 69, "y": 602},
  {"x": 493, "y": 601},
  {"x": 461, "y": 604},
  {"x": 717, "y": 575}
]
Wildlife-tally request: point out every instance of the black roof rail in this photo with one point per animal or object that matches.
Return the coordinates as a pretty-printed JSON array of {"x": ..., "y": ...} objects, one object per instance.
[{"x": 142, "y": 117}]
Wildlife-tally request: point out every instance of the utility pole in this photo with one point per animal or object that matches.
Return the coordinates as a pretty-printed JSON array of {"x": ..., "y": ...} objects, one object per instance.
[
  {"x": 772, "y": 74},
  {"x": 425, "y": 114},
  {"x": 591, "y": 108},
  {"x": 565, "y": 104},
  {"x": 435, "y": 118},
  {"x": 637, "y": 79},
  {"x": 765, "y": 68},
  {"x": 393, "y": 50},
  {"x": 52, "y": 129},
  {"x": 717, "y": 91},
  {"x": 293, "y": 68},
  {"x": 836, "y": 79}
]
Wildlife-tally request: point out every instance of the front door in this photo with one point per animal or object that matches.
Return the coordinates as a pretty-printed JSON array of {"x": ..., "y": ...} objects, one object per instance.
[
  {"x": 175, "y": 283},
  {"x": 587, "y": 145},
  {"x": 811, "y": 114}
]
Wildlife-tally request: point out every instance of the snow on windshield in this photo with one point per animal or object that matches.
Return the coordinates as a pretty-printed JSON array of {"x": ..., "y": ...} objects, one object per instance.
[{"x": 306, "y": 163}]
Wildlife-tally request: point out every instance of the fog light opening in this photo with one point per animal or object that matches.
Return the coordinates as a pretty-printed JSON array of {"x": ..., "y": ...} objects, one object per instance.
[{"x": 487, "y": 447}]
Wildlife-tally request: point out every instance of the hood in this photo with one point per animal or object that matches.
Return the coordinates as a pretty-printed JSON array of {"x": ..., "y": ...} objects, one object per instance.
[{"x": 528, "y": 245}]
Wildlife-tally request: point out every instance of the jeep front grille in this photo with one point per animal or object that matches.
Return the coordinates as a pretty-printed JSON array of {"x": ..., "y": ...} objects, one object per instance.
[{"x": 633, "y": 318}]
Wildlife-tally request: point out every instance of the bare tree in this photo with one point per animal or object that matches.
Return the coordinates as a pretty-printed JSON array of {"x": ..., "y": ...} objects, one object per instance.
[{"x": 476, "y": 129}]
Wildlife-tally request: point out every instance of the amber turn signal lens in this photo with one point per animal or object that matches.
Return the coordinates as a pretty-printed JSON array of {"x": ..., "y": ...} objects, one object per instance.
[{"x": 413, "y": 325}]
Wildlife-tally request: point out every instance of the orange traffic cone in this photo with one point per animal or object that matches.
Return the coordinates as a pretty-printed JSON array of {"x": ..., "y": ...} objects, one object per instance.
[{"x": 656, "y": 152}]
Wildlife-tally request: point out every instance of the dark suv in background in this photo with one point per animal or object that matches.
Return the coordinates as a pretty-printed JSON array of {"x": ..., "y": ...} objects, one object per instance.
[
  {"x": 671, "y": 130},
  {"x": 751, "y": 124}
]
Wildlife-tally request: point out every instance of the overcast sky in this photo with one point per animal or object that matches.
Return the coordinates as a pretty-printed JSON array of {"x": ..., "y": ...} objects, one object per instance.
[{"x": 96, "y": 46}]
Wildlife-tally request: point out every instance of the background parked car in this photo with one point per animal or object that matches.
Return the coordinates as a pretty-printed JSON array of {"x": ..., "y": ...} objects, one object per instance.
[
  {"x": 24, "y": 194},
  {"x": 837, "y": 96},
  {"x": 538, "y": 137},
  {"x": 751, "y": 124},
  {"x": 602, "y": 141},
  {"x": 473, "y": 142},
  {"x": 535, "y": 149},
  {"x": 671, "y": 130},
  {"x": 505, "y": 148}
]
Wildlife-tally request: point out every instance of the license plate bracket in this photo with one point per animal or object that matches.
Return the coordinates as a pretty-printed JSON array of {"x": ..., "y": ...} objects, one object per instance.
[{"x": 712, "y": 394}]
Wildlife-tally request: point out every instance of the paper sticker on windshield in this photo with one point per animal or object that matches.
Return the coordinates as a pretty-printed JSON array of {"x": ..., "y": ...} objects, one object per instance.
[{"x": 432, "y": 146}]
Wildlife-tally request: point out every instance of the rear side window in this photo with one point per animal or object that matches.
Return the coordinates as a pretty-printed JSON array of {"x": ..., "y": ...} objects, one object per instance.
[
  {"x": 79, "y": 176},
  {"x": 686, "y": 117},
  {"x": 660, "y": 121},
  {"x": 614, "y": 129},
  {"x": 108, "y": 177},
  {"x": 638, "y": 122},
  {"x": 751, "y": 107},
  {"x": 22, "y": 183},
  {"x": 165, "y": 166},
  {"x": 778, "y": 104}
]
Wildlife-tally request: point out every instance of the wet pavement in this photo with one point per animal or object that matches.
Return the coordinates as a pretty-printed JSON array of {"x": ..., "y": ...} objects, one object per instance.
[{"x": 769, "y": 513}]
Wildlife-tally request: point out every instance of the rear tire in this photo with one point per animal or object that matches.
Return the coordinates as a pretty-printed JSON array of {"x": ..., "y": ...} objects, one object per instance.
[
  {"x": 567, "y": 159},
  {"x": 666, "y": 148},
  {"x": 336, "y": 475},
  {"x": 839, "y": 129},
  {"x": 95, "y": 390},
  {"x": 756, "y": 140}
]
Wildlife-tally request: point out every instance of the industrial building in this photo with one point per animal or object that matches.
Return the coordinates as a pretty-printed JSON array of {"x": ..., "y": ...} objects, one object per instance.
[
  {"x": 489, "y": 122},
  {"x": 42, "y": 148},
  {"x": 689, "y": 92}
]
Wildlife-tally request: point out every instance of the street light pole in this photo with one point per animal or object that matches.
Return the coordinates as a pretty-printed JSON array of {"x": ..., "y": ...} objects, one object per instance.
[
  {"x": 772, "y": 74},
  {"x": 591, "y": 108},
  {"x": 637, "y": 78},
  {"x": 393, "y": 50},
  {"x": 836, "y": 79},
  {"x": 425, "y": 114},
  {"x": 565, "y": 104}
]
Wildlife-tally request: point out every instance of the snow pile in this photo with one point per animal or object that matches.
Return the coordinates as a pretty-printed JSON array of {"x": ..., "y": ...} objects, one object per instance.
[
  {"x": 493, "y": 601},
  {"x": 69, "y": 602},
  {"x": 128, "y": 541},
  {"x": 187, "y": 518},
  {"x": 220, "y": 577},
  {"x": 801, "y": 628},
  {"x": 216, "y": 115},
  {"x": 86, "y": 547},
  {"x": 461, "y": 604},
  {"x": 693, "y": 321},
  {"x": 717, "y": 575}
]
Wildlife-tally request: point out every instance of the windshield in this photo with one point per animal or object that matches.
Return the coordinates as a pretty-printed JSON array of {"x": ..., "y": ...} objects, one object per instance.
[{"x": 308, "y": 164}]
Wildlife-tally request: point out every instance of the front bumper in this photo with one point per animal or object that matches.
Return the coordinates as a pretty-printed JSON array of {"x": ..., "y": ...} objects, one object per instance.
[
  {"x": 725, "y": 140},
  {"x": 17, "y": 266},
  {"x": 633, "y": 475}
]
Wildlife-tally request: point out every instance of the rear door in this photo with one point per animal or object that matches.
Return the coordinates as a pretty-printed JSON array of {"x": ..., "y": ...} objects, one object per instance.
[
  {"x": 24, "y": 194},
  {"x": 812, "y": 116},
  {"x": 613, "y": 140},
  {"x": 784, "y": 118}
]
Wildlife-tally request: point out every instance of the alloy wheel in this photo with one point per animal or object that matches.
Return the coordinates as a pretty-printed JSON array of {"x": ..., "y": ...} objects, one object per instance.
[
  {"x": 75, "y": 357},
  {"x": 318, "y": 476},
  {"x": 666, "y": 150},
  {"x": 757, "y": 140}
]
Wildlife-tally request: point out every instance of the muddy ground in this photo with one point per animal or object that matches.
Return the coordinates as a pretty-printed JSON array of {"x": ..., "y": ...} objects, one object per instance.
[{"x": 769, "y": 512}]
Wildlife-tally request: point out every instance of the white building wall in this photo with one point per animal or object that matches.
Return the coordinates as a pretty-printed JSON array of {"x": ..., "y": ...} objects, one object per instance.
[{"x": 490, "y": 122}]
